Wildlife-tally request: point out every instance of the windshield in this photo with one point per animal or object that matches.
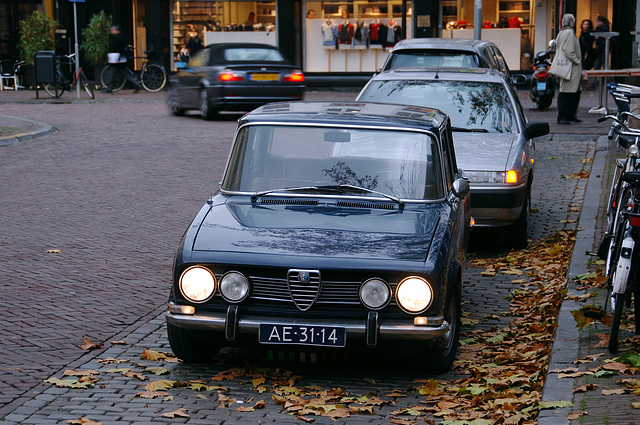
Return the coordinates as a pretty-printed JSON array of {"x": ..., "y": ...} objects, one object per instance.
[
  {"x": 252, "y": 54},
  {"x": 402, "y": 164},
  {"x": 469, "y": 104},
  {"x": 432, "y": 58}
]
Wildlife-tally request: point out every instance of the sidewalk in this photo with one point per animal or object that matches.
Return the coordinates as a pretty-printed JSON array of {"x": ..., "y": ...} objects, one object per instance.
[{"x": 570, "y": 343}]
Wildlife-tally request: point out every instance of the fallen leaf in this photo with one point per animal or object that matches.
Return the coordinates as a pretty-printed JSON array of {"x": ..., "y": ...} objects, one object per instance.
[
  {"x": 585, "y": 388},
  {"x": 83, "y": 421},
  {"x": 111, "y": 360},
  {"x": 576, "y": 415},
  {"x": 71, "y": 372},
  {"x": 153, "y": 355},
  {"x": 53, "y": 251},
  {"x": 152, "y": 394},
  {"x": 616, "y": 391},
  {"x": 157, "y": 370},
  {"x": 71, "y": 383},
  {"x": 160, "y": 385},
  {"x": 119, "y": 342},
  {"x": 302, "y": 418},
  {"x": 182, "y": 412},
  {"x": 88, "y": 345},
  {"x": 258, "y": 405}
]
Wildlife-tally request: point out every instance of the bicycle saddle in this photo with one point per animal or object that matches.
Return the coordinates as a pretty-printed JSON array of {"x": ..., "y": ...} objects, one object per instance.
[{"x": 631, "y": 176}]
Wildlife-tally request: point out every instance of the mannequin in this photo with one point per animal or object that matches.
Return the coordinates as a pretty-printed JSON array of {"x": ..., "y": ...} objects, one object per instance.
[{"x": 329, "y": 33}]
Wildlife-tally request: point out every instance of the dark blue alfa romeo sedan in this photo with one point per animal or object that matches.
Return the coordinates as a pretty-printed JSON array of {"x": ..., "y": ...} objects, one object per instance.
[{"x": 337, "y": 226}]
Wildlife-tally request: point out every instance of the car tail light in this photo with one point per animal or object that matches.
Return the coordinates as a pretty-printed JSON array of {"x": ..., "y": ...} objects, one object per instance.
[
  {"x": 634, "y": 221},
  {"x": 230, "y": 76},
  {"x": 295, "y": 77},
  {"x": 511, "y": 177}
]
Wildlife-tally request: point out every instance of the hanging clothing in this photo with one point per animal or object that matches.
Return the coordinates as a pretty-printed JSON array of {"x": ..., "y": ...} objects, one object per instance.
[
  {"x": 346, "y": 33},
  {"x": 361, "y": 37},
  {"x": 329, "y": 34},
  {"x": 374, "y": 33}
]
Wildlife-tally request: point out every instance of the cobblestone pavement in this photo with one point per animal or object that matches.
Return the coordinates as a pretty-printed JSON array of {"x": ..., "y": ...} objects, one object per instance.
[{"x": 91, "y": 216}]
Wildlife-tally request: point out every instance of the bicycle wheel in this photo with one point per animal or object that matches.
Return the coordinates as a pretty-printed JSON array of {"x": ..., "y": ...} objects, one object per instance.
[
  {"x": 153, "y": 77},
  {"x": 85, "y": 84},
  {"x": 55, "y": 89},
  {"x": 112, "y": 73},
  {"x": 619, "y": 300}
]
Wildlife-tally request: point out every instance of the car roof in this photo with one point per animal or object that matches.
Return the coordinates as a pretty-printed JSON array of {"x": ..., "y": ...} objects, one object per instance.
[
  {"x": 448, "y": 74},
  {"x": 370, "y": 114},
  {"x": 442, "y": 44},
  {"x": 246, "y": 45}
]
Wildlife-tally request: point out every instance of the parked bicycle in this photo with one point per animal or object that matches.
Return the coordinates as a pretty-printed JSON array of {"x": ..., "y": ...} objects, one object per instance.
[
  {"x": 62, "y": 83},
  {"x": 623, "y": 227},
  {"x": 152, "y": 76}
]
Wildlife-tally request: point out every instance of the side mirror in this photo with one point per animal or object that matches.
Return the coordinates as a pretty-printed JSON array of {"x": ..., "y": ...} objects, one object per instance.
[
  {"x": 461, "y": 188},
  {"x": 536, "y": 129},
  {"x": 518, "y": 79}
]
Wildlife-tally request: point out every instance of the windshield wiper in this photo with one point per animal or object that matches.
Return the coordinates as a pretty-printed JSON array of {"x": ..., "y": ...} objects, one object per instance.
[
  {"x": 329, "y": 188},
  {"x": 255, "y": 195},
  {"x": 470, "y": 130},
  {"x": 350, "y": 187}
]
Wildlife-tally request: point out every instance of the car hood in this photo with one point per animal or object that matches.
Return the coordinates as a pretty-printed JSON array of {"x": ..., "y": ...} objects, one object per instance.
[
  {"x": 323, "y": 230},
  {"x": 483, "y": 151}
]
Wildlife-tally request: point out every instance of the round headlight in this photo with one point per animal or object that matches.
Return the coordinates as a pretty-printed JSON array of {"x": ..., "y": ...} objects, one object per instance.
[
  {"x": 375, "y": 293},
  {"x": 414, "y": 294},
  {"x": 634, "y": 150},
  {"x": 234, "y": 287},
  {"x": 197, "y": 284}
]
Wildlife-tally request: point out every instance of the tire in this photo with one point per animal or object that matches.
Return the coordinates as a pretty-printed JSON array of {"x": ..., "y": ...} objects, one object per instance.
[
  {"x": 174, "y": 103},
  {"x": 207, "y": 112},
  {"x": 188, "y": 348},
  {"x": 153, "y": 78},
  {"x": 615, "y": 323},
  {"x": 443, "y": 352},
  {"x": 118, "y": 77},
  {"x": 85, "y": 84},
  {"x": 517, "y": 233},
  {"x": 55, "y": 89}
]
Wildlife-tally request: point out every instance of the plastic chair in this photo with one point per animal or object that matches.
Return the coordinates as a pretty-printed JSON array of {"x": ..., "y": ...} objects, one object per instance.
[{"x": 8, "y": 75}]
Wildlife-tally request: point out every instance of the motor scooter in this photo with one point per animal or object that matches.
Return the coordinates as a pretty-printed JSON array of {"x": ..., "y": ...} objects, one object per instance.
[{"x": 543, "y": 84}]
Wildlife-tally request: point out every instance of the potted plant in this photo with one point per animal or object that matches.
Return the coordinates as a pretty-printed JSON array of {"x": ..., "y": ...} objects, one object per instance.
[
  {"x": 96, "y": 41},
  {"x": 36, "y": 34}
]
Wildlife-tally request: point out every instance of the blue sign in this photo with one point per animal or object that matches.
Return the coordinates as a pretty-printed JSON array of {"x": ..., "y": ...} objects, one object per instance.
[{"x": 76, "y": 1}]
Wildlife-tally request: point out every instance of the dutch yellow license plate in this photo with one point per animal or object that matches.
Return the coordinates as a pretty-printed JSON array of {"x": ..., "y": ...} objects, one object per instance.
[{"x": 265, "y": 77}]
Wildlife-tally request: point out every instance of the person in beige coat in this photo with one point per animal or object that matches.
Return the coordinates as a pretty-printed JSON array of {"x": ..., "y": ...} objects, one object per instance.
[{"x": 569, "y": 96}]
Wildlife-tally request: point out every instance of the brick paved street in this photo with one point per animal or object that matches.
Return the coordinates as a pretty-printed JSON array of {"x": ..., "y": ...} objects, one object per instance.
[{"x": 113, "y": 189}]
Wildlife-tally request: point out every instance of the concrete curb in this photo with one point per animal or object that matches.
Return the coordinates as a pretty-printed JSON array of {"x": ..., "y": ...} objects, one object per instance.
[
  {"x": 566, "y": 343},
  {"x": 41, "y": 129}
]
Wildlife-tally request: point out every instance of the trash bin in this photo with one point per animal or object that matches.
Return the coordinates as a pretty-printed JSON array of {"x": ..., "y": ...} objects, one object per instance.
[{"x": 45, "y": 62}]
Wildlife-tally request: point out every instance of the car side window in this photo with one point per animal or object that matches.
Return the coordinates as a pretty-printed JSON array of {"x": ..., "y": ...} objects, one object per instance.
[
  {"x": 502, "y": 64},
  {"x": 450, "y": 167}
]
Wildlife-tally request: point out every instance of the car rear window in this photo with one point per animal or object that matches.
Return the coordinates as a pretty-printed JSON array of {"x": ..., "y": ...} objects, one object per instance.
[
  {"x": 470, "y": 104},
  {"x": 404, "y": 164},
  {"x": 252, "y": 54},
  {"x": 432, "y": 59}
]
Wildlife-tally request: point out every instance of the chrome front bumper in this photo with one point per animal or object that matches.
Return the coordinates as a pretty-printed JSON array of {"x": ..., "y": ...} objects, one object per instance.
[{"x": 371, "y": 329}]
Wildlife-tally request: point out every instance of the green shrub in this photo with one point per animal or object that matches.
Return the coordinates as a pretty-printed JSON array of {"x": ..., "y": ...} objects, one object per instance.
[
  {"x": 36, "y": 33},
  {"x": 96, "y": 39}
]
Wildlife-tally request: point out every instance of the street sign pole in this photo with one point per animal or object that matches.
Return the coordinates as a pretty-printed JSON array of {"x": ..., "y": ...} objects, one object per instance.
[{"x": 77, "y": 48}]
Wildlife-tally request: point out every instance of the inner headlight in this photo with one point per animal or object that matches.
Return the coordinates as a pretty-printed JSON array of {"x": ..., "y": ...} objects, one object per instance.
[
  {"x": 414, "y": 294},
  {"x": 375, "y": 293},
  {"x": 197, "y": 284},
  {"x": 234, "y": 287},
  {"x": 484, "y": 176}
]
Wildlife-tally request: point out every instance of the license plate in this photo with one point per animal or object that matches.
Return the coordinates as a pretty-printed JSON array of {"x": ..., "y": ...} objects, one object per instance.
[
  {"x": 542, "y": 86},
  {"x": 325, "y": 336},
  {"x": 264, "y": 77}
]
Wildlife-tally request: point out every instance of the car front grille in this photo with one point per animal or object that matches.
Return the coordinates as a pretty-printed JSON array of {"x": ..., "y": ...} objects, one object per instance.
[{"x": 274, "y": 289}]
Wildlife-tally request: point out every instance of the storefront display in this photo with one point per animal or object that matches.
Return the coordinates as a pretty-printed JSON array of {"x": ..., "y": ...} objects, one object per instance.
[
  {"x": 360, "y": 31},
  {"x": 221, "y": 21}
]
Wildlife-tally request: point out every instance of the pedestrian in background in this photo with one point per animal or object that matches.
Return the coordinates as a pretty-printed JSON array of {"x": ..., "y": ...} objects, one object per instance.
[
  {"x": 602, "y": 25},
  {"x": 569, "y": 96},
  {"x": 586, "y": 45},
  {"x": 118, "y": 60}
]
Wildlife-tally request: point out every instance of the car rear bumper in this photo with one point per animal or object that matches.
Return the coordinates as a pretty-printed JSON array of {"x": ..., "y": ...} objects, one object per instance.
[
  {"x": 496, "y": 207},
  {"x": 370, "y": 329},
  {"x": 227, "y": 97}
]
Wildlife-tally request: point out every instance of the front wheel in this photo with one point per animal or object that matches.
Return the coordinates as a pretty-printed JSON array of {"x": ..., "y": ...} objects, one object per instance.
[
  {"x": 207, "y": 112},
  {"x": 112, "y": 77},
  {"x": 442, "y": 353},
  {"x": 85, "y": 85},
  {"x": 55, "y": 89},
  {"x": 188, "y": 348},
  {"x": 618, "y": 300},
  {"x": 153, "y": 78}
]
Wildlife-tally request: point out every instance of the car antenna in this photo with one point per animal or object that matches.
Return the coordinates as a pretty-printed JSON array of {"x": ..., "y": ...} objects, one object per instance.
[{"x": 438, "y": 68}]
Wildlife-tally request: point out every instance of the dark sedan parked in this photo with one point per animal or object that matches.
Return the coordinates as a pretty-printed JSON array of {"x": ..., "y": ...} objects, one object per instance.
[
  {"x": 234, "y": 77},
  {"x": 336, "y": 225}
]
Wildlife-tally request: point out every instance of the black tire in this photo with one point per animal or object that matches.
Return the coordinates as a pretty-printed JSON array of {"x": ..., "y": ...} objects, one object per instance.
[
  {"x": 442, "y": 353},
  {"x": 615, "y": 323},
  {"x": 153, "y": 78},
  {"x": 55, "y": 89},
  {"x": 174, "y": 103},
  {"x": 188, "y": 348},
  {"x": 518, "y": 232},
  {"x": 207, "y": 111},
  {"x": 85, "y": 85},
  {"x": 118, "y": 77}
]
